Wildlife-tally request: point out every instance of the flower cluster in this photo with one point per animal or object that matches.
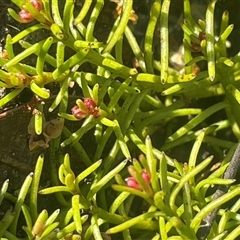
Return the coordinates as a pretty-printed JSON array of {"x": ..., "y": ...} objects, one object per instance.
[
  {"x": 26, "y": 16},
  {"x": 88, "y": 107}
]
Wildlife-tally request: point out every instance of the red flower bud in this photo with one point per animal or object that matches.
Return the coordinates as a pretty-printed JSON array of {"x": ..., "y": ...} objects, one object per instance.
[
  {"x": 89, "y": 104},
  {"x": 132, "y": 182},
  {"x": 37, "y": 4},
  {"x": 78, "y": 113},
  {"x": 25, "y": 15},
  {"x": 146, "y": 176},
  {"x": 89, "y": 108},
  {"x": 95, "y": 112}
]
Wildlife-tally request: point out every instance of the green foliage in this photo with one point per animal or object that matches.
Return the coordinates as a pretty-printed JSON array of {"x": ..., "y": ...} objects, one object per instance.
[
  {"x": 124, "y": 106},
  {"x": 176, "y": 201}
]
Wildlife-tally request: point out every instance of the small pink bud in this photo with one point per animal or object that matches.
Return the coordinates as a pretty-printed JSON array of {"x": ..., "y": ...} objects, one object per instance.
[
  {"x": 146, "y": 176},
  {"x": 37, "y": 4},
  {"x": 89, "y": 104},
  {"x": 96, "y": 112},
  {"x": 132, "y": 182},
  {"x": 78, "y": 113},
  {"x": 25, "y": 15}
]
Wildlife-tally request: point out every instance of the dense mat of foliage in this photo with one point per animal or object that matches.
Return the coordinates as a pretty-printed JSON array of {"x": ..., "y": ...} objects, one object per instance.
[{"x": 143, "y": 112}]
